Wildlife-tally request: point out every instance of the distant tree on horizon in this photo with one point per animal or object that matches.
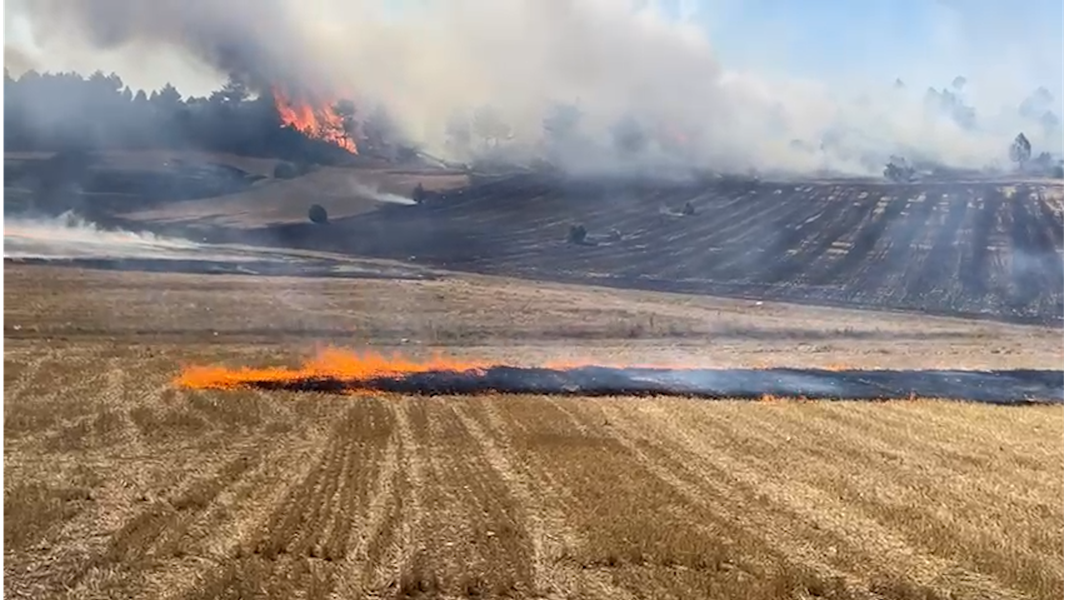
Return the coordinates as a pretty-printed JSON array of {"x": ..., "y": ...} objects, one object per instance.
[
  {"x": 1020, "y": 149},
  {"x": 490, "y": 126}
]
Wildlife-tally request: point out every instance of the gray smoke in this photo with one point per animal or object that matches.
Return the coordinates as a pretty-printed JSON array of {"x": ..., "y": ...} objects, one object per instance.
[
  {"x": 68, "y": 236},
  {"x": 521, "y": 58}
]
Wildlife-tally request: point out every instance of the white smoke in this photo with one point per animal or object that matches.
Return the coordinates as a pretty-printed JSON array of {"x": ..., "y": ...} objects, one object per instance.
[
  {"x": 361, "y": 189},
  {"x": 68, "y": 236},
  {"x": 444, "y": 58}
]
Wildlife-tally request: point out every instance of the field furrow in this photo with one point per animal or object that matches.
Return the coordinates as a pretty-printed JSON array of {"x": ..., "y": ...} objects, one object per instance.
[
  {"x": 121, "y": 484},
  {"x": 835, "y": 243}
]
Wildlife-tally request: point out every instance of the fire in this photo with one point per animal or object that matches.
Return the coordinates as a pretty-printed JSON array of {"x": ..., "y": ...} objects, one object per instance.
[
  {"x": 322, "y": 123},
  {"x": 354, "y": 367},
  {"x": 330, "y": 363}
]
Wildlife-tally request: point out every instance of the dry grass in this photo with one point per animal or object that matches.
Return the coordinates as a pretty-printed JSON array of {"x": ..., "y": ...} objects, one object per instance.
[
  {"x": 339, "y": 190},
  {"x": 270, "y": 200},
  {"x": 513, "y": 320},
  {"x": 118, "y": 485}
]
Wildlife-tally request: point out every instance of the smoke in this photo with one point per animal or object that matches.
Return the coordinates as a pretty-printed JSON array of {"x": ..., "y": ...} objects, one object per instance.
[
  {"x": 443, "y": 60},
  {"x": 16, "y": 60},
  {"x": 360, "y": 189},
  {"x": 68, "y": 236}
]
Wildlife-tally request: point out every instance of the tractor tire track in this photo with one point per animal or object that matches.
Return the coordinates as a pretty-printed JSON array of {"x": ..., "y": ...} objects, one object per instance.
[
  {"x": 871, "y": 227},
  {"x": 840, "y": 217},
  {"x": 787, "y": 523},
  {"x": 884, "y": 276},
  {"x": 224, "y": 532},
  {"x": 134, "y": 550},
  {"x": 937, "y": 266},
  {"x": 301, "y": 543},
  {"x": 357, "y": 569},
  {"x": 514, "y": 428},
  {"x": 487, "y": 428},
  {"x": 790, "y": 231},
  {"x": 976, "y": 270},
  {"x": 470, "y": 539}
]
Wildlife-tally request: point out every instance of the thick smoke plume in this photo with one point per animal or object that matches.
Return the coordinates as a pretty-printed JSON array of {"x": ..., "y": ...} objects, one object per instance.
[{"x": 470, "y": 77}]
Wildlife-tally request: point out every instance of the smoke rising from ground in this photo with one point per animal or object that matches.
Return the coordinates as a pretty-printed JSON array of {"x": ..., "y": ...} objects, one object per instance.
[
  {"x": 70, "y": 237},
  {"x": 373, "y": 193},
  {"x": 467, "y": 77}
]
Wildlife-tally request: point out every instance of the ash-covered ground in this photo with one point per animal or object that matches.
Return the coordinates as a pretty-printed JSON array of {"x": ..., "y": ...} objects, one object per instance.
[
  {"x": 994, "y": 387},
  {"x": 978, "y": 249},
  {"x": 70, "y": 240}
]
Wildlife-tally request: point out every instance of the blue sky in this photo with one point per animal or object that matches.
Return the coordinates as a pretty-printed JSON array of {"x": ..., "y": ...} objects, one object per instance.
[{"x": 922, "y": 39}]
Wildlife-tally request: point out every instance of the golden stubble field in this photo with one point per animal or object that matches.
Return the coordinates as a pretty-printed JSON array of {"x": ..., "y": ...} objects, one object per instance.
[{"x": 119, "y": 485}]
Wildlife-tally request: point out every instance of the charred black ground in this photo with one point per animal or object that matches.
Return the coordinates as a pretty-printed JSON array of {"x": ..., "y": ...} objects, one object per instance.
[
  {"x": 988, "y": 249},
  {"x": 293, "y": 267},
  {"x": 994, "y": 387},
  {"x": 977, "y": 249}
]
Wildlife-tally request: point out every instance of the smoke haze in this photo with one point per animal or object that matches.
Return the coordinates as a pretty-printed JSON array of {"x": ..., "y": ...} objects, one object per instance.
[
  {"x": 614, "y": 60},
  {"x": 71, "y": 237}
]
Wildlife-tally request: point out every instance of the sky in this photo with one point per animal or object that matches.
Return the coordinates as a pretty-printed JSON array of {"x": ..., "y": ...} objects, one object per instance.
[{"x": 928, "y": 42}]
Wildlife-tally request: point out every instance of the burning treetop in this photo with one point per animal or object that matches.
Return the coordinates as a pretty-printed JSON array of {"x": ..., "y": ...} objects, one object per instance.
[{"x": 318, "y": 121}]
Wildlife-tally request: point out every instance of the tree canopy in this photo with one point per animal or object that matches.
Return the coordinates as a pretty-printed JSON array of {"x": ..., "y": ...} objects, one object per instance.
[{"x": 66, "y": 111}]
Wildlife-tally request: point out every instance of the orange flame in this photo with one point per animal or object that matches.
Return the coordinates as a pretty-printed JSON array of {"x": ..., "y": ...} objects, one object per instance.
[
  {"x": 322, "y": 123},
  {"x": 355, "y": 367},
  {"x": 331, "y": 363}
]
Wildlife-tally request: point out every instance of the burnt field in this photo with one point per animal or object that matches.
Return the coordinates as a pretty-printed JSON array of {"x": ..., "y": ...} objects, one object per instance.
[
  {"x": 977, "y": 249},
  {"x": 995, "y": 387}
]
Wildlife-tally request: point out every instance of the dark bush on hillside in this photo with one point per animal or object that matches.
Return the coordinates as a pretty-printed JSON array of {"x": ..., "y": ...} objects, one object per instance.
[
  {"x": 318, "y": 215},
  {"x": 899, "y": 171},
  {"x": 577, "y": 234}
]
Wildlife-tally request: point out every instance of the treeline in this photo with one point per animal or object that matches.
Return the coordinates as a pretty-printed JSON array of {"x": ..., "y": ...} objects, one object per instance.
[{"x": 66, "y": 111}]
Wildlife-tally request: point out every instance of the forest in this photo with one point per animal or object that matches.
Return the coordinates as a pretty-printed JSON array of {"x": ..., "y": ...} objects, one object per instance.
[{"x": 66, "y": 111}]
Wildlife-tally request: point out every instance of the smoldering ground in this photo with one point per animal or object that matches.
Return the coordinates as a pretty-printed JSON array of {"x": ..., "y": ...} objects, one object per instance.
[
  {"x": 69, "y": 239},
  {"x": 68, "y": 236},
  {"x": 447, "y": 68},
  {"x": 996, "y": 387}
]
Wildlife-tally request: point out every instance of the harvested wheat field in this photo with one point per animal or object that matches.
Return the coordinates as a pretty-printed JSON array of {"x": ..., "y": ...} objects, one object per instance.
[{"x": 120, "y": 484}]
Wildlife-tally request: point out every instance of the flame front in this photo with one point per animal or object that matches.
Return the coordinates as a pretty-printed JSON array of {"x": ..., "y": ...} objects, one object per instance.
[
  {"x": 322, "y": 123},
  {"x": 355, "y": 368},
  {"x": 331, "y": 363}
]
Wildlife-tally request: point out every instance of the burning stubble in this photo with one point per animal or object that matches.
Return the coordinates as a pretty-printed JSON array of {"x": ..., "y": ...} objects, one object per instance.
[
  {"x": 338, "y": 371},
  {"x": 330, "y": 363}
]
